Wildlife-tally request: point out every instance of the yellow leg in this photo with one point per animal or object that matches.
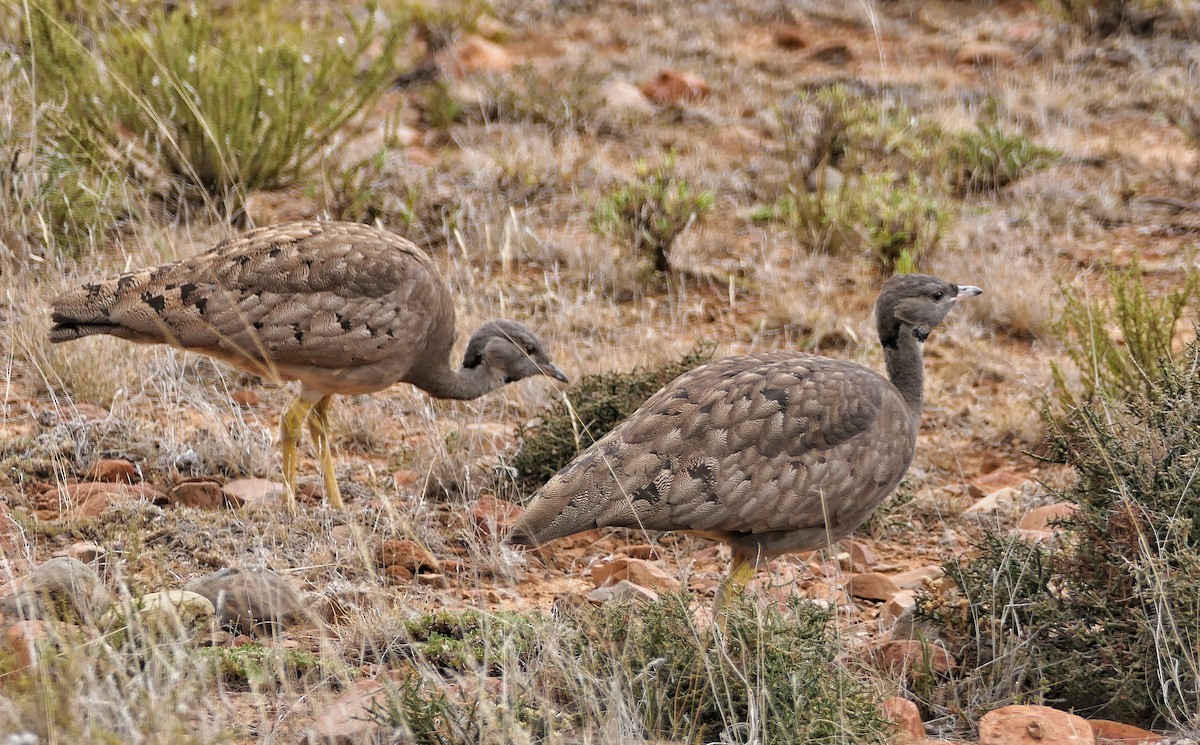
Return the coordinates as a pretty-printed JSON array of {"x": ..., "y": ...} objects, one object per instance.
[
  {"x": 318, "y": 427},
  {"x": 291, "y": 426},
  {"x": 733, "y": 587}
]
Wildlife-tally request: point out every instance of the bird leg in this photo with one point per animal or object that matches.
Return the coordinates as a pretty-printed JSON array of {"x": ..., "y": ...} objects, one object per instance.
[
  {"x": 291, "y": 426},
  {"x": 318, "y": 427},
  {"x": 733, "y": 587}
]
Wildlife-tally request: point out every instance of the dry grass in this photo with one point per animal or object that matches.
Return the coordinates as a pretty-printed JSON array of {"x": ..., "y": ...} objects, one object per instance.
[{"x": 502, "y": 195}]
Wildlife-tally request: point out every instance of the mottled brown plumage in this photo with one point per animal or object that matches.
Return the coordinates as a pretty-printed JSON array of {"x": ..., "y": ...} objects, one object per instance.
[
  {"x": 341, "y": 307},
  {"x": 771, "y": 453}
]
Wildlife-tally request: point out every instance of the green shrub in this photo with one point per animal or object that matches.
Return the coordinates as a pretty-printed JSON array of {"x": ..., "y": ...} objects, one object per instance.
[
  {"x": 253, "y": 666},
  {"x": 1105, "y": 621},
  {"x": 594, "y": 405},
  {"x": 1120, "y": 346},
  {"x": 988, "y": 159},
  {"x": 884, "y": 216},
  {"x": 770, "y": 679},
  {"x": 651, "y": 211},
  {"x": 223, "y": 106}
]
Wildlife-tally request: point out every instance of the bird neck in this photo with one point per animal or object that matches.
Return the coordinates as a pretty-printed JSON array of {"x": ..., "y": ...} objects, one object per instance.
[
  {"x": 462, "y": 384},
  {"x": 905, "y": 369}
]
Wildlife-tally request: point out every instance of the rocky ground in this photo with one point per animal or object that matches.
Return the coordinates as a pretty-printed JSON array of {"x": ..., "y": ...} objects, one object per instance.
[{"x": 146, "y": 473}]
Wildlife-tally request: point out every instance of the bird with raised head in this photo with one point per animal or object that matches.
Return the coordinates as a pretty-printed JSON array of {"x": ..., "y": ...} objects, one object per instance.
[
  {"x": 340, "y": 307},
  {"x": 771, "y": 453}
]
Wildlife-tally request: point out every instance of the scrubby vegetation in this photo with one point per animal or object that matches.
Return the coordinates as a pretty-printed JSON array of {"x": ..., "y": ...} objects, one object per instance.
[
  {"x": 650, "y": 212},
  {"x": 1104, "y": 621},
  {"x": 774, "y": 679},
  {"x": 591, "y": 408}
]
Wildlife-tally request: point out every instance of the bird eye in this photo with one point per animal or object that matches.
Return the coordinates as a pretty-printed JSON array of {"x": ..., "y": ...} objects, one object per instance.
[
  {"x": 938, "y": 295},
  {"x": 529, "y": 350}
]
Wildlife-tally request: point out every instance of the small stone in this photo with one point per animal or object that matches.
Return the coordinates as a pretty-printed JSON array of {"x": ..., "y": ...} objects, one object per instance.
[
  {"x": 900, "y": 605},
  {"x": 871, "y": 586},
  {"x": 1108, "y": 732},
  {"x": 1040, "y": 518},
  {"x": 1003, "y": 499},
  {"x": 494, "y": 516},
  {"x": 999, "y": 478},
  {"x": 349, "y": 720},
  {"x": 245, "y": 398},
  {"x": 825, "y": 180},
  {"x": 86, "y": 552},
  {"x": 1033, "y": 725},
  {"x": 905, "y": 715},
  {"x": 862, "y": 558},
  {"x": 623, "y": 591},
  {"x": 406, "y": 477},
  {"x": 473, "y": 53},
  {"x": 986, "y": 54},
  {"x": 258, "y": 601},
  {"x": 790, "y": 38},
  {"x": 835, "y": 52},
  {"x": 200, "y": 494},
  {"x": 255, "y": 493},
  {"x": 637, "y": 571},
  {"x": 908, "y": 655},
  {"x": 113, "y": 470},
  {"x": 914, "y": 579},
  {"x": 645, "y": 551},
  {"x": 177, "y": 611},
  {"x": 624, "y": 97},
  {"x": 397, "y": 574},
  {"x": 91, "y": 499},
  {"x": 405, "y": 553},
  {"x": 672, "y": 86},
  {"x": 60, "y": 589},
  {"x": 24, "y": 641}
]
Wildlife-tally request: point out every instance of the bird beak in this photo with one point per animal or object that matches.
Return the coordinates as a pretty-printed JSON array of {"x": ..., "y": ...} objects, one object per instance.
[
  {"x": 965, "y": 291},
  {"x": 552, "y": 371}
]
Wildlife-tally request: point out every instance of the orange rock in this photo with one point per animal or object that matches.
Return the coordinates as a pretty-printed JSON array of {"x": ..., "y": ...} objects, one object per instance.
[
  {"x": 1108, "y": 732},
  {"x": 1040, "y": 518},
  {"x": 254, "y": 493},
  {"x": 862, "y": 556},
  {"x": 114, "y": 470},
  {"x": 1033, "y": 725},
  {"x": 900, "y": 604},
  {"x": 832, "y": 52},
  {"x": 406, "y": 477},
  {"x": 790, "y": 37},
  {"x": 85, "y": 411},
  {"x": 905, "y": 715},
  {"x": 914, "y": 579},
  {"x": 93, "y": 498},
  {"x": 871, "y": 586},
  {"x": 999, "y": 478},
  {"x": 201, "y": 494},
  {"x": 641, "y": 551},
  {"x": 637, "y": 571},
  {"x": 672, "y": 86},
  {"x": 245, "y": 397},
  {"x": 986, "y": 54},
  {"x": 405, "y": 553},
  {"x": 473, "y": 53},
  {"x": 494, "y": 516},
  {"x": 906, "y": 655},
  {"x": 397, "y": 574},
  {"x": 23, "y": 641}
]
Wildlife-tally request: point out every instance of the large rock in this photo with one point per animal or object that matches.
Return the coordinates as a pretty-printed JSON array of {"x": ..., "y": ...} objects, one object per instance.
[
  {"x": 63, "y": 589},
  {"x": 406, "y": 554},
  {"x": 1033, "y": 725},
  {"x": 905, "y": 715},
  {"x": 246, "y": 601},
  {"x": 908, "y": 655},
  {"x": 177, "y": 612},
  {"x": 673, "y": 86},
  {"x": 1108, "y": 732},
  {"x": 93, "y": 498},
  {"x": 113, "y": 470},
  {"x": 200, "y": 494},
  {"x": 871, "y": 586}
]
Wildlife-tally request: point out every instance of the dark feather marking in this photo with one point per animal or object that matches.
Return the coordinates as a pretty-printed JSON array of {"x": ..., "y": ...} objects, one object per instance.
[{"x": 157, "y": 302}]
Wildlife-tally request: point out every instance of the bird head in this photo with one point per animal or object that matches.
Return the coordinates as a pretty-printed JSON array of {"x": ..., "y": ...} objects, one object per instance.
[
  {"x": 915, "y": 303},
  {"x": 511, "y": 350}
]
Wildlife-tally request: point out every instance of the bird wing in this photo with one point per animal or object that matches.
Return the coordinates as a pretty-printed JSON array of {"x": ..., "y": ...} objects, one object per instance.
[
  {"x": 330, "y": 295},
  {"x": 750, "y": 444}
]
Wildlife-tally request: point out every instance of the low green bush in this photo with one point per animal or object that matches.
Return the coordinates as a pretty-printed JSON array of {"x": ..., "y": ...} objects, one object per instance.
[
  {"x": 651, "y": 211},
  {"x": 1103, "y": 621}
]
